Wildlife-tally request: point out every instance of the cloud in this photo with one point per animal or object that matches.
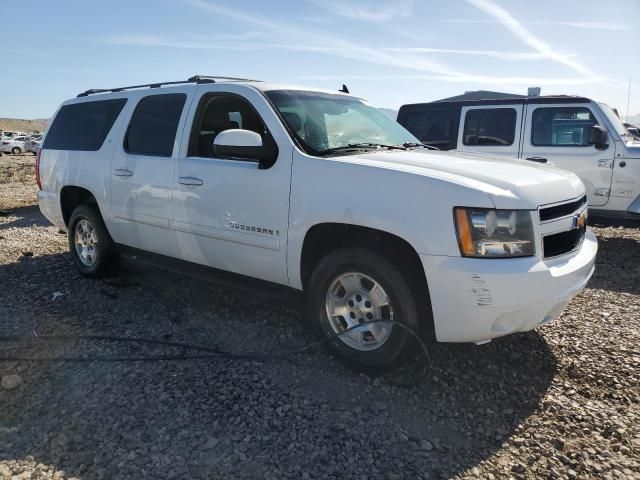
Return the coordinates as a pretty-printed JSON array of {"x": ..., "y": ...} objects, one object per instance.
[
  {"x": 196, "y": 43},
  {"x": 400, "y": 61},
  {"x": 462, "y": 78},
  {"x": 305, "y": 40},
  {"x": 519, "y": 31},
  {"x": 586, "y": 25},
  {"x": 482, "y": 53},
  {"x": 367, "y": 10}
]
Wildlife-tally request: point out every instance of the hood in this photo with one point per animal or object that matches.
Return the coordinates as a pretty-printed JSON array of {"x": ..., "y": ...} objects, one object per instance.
[{"x": 511, "y": 183}]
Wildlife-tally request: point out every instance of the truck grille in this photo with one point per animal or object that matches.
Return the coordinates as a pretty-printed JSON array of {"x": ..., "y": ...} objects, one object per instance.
[
  {"x": 563, "y": 242},
  {"x": 559, "y": 211}
]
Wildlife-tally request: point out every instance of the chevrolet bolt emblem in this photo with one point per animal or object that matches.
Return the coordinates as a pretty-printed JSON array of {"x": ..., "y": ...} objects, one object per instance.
[{"x": 580, "y": 220}]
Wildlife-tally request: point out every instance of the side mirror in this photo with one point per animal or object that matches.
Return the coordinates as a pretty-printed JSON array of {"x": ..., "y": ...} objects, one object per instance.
[
  {"x": 597, "y": 136},
  {"x": 238, "y": 143}
]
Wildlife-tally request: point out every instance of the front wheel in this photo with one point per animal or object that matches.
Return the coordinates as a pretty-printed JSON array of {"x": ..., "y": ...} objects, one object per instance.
[
  {"x": 90, "y": 244},
  {"x": 353, "y": 286}
]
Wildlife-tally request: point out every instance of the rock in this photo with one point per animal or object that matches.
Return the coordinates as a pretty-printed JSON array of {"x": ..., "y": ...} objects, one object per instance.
[
  {"x": 426, "y": 445},
  {"x": 210, "y": 443},
  {"x": 5, "y": 472},
  {"x": 10, "y": 382}
]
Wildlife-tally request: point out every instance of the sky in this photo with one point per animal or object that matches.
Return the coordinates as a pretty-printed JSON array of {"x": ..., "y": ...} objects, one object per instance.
[{"x": 389, "y": 52}]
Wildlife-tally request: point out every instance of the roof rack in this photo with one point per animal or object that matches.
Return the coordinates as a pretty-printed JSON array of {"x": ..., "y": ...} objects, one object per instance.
[{"x": 194, "y": 79}]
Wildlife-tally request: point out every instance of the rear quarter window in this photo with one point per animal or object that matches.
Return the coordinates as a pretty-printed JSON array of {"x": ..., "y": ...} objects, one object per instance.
[{"x": 83, "y": 126}]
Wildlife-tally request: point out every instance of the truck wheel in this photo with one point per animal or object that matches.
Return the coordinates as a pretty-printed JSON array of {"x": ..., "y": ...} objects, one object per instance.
[
  {"x": 90, "y": 244},
  {"x": 16, "y": 150},
  {"x": 352, "y": 286}
]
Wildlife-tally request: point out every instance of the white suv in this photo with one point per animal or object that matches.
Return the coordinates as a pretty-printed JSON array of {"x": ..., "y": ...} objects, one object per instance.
[{"x": 321, "y": 192}]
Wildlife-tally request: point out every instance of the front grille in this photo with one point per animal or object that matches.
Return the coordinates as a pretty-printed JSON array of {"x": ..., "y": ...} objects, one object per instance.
[
  {"x": 558, "y": 211},
  {"x": 564, "y": 242}
]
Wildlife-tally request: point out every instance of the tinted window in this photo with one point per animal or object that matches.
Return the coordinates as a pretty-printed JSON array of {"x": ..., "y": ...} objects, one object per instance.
[
  {"x": 154, "y": 123},
  {"x": 493, "y": 126},
  {"x": 561, "y": 126},
  {"x": 83, "y": 126},
  {"x": 433, "y": 127}
]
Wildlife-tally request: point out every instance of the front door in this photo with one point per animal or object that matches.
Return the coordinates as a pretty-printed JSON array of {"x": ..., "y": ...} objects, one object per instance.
[
  {"x": 232, "y": 213},
  {"x": 559, "y": 134},
  {"x": 142, "y": 172}
]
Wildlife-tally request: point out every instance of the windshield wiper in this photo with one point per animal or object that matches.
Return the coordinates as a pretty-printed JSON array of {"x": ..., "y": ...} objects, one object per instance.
[
  {"x": 361, "y": 146},
  {"x": 418, "y": 145}
]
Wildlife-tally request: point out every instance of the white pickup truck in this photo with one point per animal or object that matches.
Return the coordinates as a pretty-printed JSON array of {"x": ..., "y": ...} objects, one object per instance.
[
  {"x": 574, "y": 133},
  {"x": 320, "y": 192}
]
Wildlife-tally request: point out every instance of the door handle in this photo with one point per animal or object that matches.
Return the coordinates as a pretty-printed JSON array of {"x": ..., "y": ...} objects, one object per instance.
[
  {"x": 537, "y": 159},
  {"x": 122, "y": 172},
  {"x": 190, "y": 181}
]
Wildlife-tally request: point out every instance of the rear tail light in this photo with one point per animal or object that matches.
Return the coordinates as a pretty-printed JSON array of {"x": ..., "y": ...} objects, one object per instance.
[
  {"x": 38, "y": 170},
  {"x": 5, "y": 143}
]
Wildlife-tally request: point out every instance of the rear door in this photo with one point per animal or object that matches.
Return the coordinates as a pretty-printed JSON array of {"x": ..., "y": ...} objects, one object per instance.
[
  {"x": 493, "y": 129},
  {"x": 558, "y": 134},
  {"x": 142, "y": 170}
]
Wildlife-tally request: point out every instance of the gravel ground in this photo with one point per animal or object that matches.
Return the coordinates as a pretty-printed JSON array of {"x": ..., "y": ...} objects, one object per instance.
[
  {"x": 559, "y": 402},
  {"x": 17, "y": 180}
]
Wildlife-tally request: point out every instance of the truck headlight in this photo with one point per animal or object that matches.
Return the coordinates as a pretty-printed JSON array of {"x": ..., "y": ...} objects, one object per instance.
[{"x": 489, "y": 233}]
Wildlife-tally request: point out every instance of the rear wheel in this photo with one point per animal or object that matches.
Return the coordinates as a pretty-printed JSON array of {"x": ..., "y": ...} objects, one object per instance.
[
  {"x": 90, "y": 244},
  {"x": 16, "y": 150},
  {"x": 352, "y": 286}
]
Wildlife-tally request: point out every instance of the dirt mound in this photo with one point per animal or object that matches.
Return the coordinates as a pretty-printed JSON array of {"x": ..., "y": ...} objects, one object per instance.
[{"x": 16, "y": 124}]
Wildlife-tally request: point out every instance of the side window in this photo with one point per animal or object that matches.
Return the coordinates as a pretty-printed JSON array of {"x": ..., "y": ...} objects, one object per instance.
[
  {"x": 83, "y": 126},
  {"x": 432, "y": 127},
  {"x": 491, "y": 126},
  {"x": 218, "y": 112},
  {"x": 561, "y": 126},
  {"x": 154, "y": 123}
]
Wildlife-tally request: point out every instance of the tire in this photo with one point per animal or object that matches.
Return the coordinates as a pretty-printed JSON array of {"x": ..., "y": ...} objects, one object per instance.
[
  {"x": 342, "y": 283},
  {"x": 16, "y": 150},
  {"x": 90, "y": 244}
]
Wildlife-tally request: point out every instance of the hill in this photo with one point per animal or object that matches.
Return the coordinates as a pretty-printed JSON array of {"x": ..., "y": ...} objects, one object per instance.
[{"x": 16, "y": 124}]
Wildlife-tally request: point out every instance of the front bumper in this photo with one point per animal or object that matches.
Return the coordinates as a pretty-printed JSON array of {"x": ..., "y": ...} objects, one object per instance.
[{"x": 475, "y": 300}]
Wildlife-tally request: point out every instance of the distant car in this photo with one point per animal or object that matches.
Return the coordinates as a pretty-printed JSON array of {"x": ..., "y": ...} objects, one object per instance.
[
  {"x": 7, "y": 135},
  {"x": 33, "y": 144},
  {"x": 13, "y": 145}
]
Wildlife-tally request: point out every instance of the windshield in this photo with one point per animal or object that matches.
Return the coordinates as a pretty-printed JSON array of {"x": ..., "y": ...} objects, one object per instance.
[
  {"x": 324, "y": 122},
  {"x": 614, "y": 119}
]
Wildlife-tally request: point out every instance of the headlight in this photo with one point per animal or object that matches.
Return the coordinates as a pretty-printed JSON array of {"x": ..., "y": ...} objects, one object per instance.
[{"x": 491, "y": 233}]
